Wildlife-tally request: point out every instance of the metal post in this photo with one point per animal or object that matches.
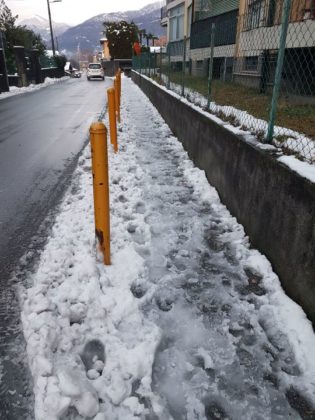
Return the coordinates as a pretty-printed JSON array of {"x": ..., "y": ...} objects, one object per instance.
[
  {"x": 154, "y": 64},
  {"x": 184, "y": 67},
  {"x": 149, "y": 63},
  {"x": 224, "y": 69},
  {"x": 98, "y": 138},
  {"x": 161, "y": 61},
  {"x": 277, "y": 83},
  {"x": 140, "y": 63},
  {"x": 211, "y": 64},
  {"x": 169, "y": 68}
]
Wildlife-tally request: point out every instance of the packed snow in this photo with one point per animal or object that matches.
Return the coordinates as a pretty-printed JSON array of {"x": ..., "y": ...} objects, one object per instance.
[
  {"x": 14, "y": 90},
  {"x": 188, "y": 322}
]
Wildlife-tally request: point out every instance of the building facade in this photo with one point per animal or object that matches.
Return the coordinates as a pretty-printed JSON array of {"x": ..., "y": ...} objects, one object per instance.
[
  {"x": 223, "y": 14},
  {"x": 246, "y": 41},
  {"x": 258, "y": 39},
  {"x": 176, "y": 15}
]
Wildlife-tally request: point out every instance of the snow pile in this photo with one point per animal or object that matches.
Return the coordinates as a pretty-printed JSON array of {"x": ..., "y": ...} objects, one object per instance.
[
  {"x": 302, "y": 168},
  {"x": 187, "y": 322},
  {"x": 31, "y": 88},
  {"x": 77, "y": 307}
]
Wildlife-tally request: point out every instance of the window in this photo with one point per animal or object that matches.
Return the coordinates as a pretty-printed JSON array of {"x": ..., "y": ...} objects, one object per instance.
[
  {"x": 255, "y": 14},
  {"x": 251, "y": 63},
  {"x": 94, "y": 66},
  {"x": 309, "y": 11},
  {"x": 271, "y": 13},
  {"x": 176, "y": 20},
  {"x": 202, "y": 9},
  {"x": 189, "y": 16}
]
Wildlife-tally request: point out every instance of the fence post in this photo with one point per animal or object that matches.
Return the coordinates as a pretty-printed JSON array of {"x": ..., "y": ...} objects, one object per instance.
[
  {"x": 211, "y": 64},
  {"x": 98, "y": 138},
  {"x": 149, "y": 63},
  {"x": 161, "y": 62},
  {"x": 154, "y": 64},
  {"x": 112, "y": 118},
  {"x": 224, "y": 69},
  {"x": 277, "y": 83},
  {"x": 184, "y": 67},
  {"x": 140, "y": 63},
  {"x": 169, "y": 68}
]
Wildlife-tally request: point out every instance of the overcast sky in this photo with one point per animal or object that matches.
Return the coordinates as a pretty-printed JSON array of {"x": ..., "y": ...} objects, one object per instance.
[{"x": 72, "y": 11}]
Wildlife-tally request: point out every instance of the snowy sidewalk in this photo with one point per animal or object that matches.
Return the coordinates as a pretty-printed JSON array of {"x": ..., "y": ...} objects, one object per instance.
[{"x": 187, "y": 323}]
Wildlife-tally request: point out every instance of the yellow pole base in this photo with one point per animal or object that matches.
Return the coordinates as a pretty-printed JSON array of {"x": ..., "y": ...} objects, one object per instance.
[
  {"x": 112, "y": 118},
  {"x": 98, "y": 139}
]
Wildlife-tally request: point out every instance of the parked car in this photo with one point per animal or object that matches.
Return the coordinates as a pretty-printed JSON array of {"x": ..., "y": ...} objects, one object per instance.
[
  {"x": 76, "y": 74},
  {"x": 95, "y": 70}
]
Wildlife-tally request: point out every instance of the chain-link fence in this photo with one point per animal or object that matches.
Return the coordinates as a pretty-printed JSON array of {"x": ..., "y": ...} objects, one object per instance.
[{"x": 255, "y": 71}]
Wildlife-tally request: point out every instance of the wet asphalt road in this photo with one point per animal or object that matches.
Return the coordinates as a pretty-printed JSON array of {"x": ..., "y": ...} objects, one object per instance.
[{"x": 41, "y": 136}]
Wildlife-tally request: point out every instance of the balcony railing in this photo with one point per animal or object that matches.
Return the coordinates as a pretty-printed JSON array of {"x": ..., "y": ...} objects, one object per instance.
[
  {"x": 225, "y": 31},
  {"x": 163, "y": 12}
]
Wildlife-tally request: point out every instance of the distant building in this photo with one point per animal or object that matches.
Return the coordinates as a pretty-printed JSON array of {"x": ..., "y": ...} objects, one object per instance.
[{"x": 83, "y": 64}]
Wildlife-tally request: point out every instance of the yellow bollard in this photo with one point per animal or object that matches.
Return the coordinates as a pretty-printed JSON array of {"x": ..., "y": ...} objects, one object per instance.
[
  {"x": 117, "y": 99},
  {"x": 98, "y": 138},
  {"x": 112, "y": 117}
]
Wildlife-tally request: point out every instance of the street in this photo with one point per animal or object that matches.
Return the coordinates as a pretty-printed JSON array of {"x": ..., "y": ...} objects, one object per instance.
[{"x": 42, "y": 133}]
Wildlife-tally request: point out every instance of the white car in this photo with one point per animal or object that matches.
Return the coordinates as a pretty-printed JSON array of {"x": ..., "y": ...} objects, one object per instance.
[{"x": 95, "y": 70}]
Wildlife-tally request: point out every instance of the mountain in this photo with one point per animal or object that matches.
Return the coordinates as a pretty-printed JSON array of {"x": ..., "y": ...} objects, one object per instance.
[
  {"x": 40, "y": 26},
  {"x": 86, "y": 36}
]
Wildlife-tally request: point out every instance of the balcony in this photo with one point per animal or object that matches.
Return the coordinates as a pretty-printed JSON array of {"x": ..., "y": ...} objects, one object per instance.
[
  {"x": 164, "y": 19},
  {"x": 225, "y": 31}
]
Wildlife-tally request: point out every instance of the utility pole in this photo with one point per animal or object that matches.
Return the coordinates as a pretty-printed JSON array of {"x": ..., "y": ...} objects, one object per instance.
[
  {"x": 51, "y": 30},
  {"x": 50, "y": 25}
]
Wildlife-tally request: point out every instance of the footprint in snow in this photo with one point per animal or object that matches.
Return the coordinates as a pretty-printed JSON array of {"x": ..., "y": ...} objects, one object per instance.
[{"x": 93, "y": 354}]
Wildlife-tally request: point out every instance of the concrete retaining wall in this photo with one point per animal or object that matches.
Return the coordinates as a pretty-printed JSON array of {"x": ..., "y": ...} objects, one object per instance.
[{"x": 275, "y": 205}]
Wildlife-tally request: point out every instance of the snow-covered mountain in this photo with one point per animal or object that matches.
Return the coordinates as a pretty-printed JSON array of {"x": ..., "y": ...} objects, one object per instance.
[
  {"x": 86, "y": 36},
  {"x": 40, "y": 25}
]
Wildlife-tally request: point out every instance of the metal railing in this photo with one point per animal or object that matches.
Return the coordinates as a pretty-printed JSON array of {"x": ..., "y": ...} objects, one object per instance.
[{"x": 163, "y": 12}]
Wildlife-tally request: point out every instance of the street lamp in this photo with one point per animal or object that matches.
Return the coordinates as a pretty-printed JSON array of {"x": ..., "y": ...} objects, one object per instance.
[{"x": 50, "y": 25}]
